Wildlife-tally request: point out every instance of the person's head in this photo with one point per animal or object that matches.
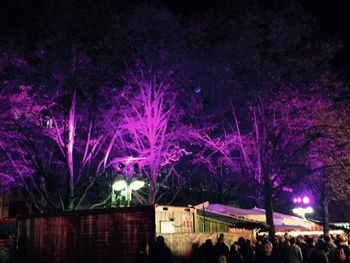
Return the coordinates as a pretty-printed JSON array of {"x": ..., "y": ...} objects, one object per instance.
[
  {"x": 293, "y": 241},
  {"x": 300, "y": 239},
  {"x": 241, "y": 241},
  {"x": 267, "y": 246},
  {"x": 234, "y": 247},
  {"x": 160, "y": 240},
  {"x": 221, "y": 239},
  {"x": 208, "y": 243},
  {"x": 286, "y": 236},
  {"x": 327, "y": 238},
  {"x": 221, "y": 259},
  {"x": 343, "y": 238},
  {"x": 320, "y": 244}
]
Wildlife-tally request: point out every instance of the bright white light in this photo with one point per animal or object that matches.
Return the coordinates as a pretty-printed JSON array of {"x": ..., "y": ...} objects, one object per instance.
[
  {"x": 302, "y": 211},
  {"x": 306, "y": 200},
  {"x": 296, "y": 211},
  {"x": 137, "y": 184},
  {"x": 310, "y": 233},
  {"x": 309, "y": 210},
  {"x": 119, "y": 185}
]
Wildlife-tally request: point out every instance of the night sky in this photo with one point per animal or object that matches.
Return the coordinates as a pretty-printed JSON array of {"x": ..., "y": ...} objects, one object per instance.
[{"x": 331, "y": 16}]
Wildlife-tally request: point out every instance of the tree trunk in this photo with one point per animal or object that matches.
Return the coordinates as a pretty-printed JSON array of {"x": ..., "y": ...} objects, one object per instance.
[
  {"x": 70, "y": 162},
  {"x": 325, "y": 203},
  {"x": 269, "y": 206},
  {"x": 325, "y": 218}
]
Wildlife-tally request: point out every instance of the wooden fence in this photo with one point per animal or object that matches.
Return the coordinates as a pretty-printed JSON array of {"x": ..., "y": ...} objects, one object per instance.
[{"x": 108, "y": 235}]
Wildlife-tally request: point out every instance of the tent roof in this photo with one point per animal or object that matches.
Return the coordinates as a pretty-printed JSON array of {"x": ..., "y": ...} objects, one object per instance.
[{"x": 282, "y": 221}]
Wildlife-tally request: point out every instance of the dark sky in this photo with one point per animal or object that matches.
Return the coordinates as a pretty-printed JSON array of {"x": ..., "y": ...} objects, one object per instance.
[
  {"x": 331, "y": 15},
  {"x": 334, "y": 20}
]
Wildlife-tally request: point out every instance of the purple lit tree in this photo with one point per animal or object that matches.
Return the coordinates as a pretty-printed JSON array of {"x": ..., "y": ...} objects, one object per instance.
[
  {"x": 55, "y": 141},
  {"x": 329, "y": 161},
  {"x": 151, "y": 127},
  {"x": 275, "y": 96}
]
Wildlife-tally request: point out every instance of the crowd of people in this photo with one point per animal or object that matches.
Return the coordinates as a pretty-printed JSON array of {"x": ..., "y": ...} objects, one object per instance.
[{"x": 284, "y": 249}]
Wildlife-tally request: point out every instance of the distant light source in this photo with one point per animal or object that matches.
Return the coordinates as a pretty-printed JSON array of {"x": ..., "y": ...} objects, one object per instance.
[
  {"x": 300, "y": 211},
  {"x": 306, "y": 200},
  {"x": 119, "y": 185},
  {"x": 125, "y": 186},
  {"x": 302, "y": 200},
  {"x": 136, "y": 185}
]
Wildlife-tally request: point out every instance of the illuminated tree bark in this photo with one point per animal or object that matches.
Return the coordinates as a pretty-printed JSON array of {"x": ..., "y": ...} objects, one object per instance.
[{"x": 151, "y": 127}]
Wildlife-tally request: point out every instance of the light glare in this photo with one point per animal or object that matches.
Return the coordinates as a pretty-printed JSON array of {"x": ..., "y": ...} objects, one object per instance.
[
  {"x": 119, "y": 185},
  {"x": 306, "y": 200},
  {"x": 137, "y": 184}
]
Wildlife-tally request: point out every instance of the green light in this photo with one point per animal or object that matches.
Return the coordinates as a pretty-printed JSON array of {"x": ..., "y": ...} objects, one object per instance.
[
  {"x": 137, "y": 184},
  {"x": 125, "y": 187}
]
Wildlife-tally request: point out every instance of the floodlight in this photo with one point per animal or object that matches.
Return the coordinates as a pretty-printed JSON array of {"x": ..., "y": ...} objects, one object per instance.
[
  {"x": 119, "y": 185},
  {"x": 137, "y": 184},
  {"x": 306, "y": 200}
]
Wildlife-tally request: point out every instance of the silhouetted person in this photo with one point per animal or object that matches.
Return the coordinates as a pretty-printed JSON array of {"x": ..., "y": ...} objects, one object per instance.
[
  {"x": 143, "y": 253},
  {"x": 220, "y": 247},
  {"x": 318, "y": 254},
  {"x": 207, "y": 250},
  {"x": 195, "y": 254},
  {"x": 246, "y": 250},
  {"x": 234, "y": 256},
  {"x": 160, "y": 253},
  {"x": 267, "y": 255}
]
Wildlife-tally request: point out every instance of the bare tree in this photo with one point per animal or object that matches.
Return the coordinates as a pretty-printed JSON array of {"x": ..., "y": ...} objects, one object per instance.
[{"x": 151, "y": 127}]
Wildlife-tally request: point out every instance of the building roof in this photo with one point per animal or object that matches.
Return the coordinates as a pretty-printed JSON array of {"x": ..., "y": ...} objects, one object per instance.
[{"x": 257, "y": 215}]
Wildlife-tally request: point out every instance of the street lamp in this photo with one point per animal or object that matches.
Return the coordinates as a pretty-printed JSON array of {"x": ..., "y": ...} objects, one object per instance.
[
  {"x": 304, "y": 207},
  {"x": 125, "y": 187},
  {"x": 300, "y": 211}
]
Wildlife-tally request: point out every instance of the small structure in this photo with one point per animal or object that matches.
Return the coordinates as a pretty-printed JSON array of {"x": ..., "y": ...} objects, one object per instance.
[
  {"x": 175, "y": 219},
  {"x": 184, "y": 226}
]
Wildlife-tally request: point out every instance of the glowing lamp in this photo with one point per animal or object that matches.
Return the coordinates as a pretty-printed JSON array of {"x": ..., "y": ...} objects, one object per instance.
[
  {"x": 300, "y": 211},
  {"x": 125, "y": 186},
  {"x": 306, "y": 200},
  {"x": 119, "y": 185},
  {"x": 299, "y": 199},
  {"x": 136, "y": 185},
  {"x": 295, "y": 200},
  {"x": 309, "y": 210}
]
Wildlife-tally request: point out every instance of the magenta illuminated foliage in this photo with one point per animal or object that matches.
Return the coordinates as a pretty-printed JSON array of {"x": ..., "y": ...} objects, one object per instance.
[
  {"x": 151, "y": 126},
  {"x": 228, "y": 104}
]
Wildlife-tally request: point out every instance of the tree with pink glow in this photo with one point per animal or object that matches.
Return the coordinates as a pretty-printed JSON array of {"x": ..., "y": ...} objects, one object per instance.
[
  {"x": 55, "y": 142},
  {"x": 151, "y": 127},
  {"x": 277, "y": 93},
  {"x": 329, "y": 161}
]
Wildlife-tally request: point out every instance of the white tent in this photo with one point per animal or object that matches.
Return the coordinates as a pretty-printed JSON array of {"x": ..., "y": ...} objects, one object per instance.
[{"x": 281, "y": 221}]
